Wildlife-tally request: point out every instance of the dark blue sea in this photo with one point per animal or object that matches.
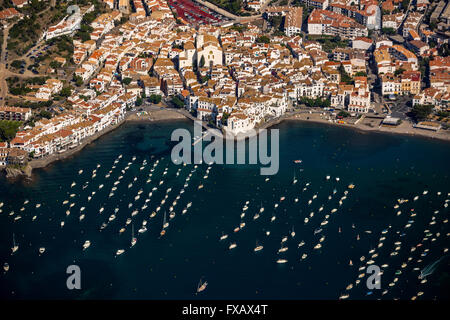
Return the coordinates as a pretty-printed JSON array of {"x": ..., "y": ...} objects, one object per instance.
[{"x": 365, "y": 229}]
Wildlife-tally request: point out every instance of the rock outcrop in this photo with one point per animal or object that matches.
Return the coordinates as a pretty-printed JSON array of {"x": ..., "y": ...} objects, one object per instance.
[{"x": 18, "y": 172}]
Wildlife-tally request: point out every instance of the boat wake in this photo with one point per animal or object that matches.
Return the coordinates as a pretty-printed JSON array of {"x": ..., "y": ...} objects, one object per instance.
[{"x": 429, "y": 269}]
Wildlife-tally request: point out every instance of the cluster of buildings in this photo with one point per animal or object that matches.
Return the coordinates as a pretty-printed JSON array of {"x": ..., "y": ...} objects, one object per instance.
[
  {"x": 325, "y": 22},
  {"x": 69, "y": 24},
  {"x": 230, "y": 77},
  {"x": 12, "y": 156},
  {"x": 293, "y": 18},
  {"x": 365, "y": 12},
  {"x": 411, "y": 23},
  {"x": 67, "y": 130},
  {"x": 438, "y": 94},
  {"x": 347, "y": 19},
  {"x": 51, "y": 87},
  {"x": 103, "y": 103}
]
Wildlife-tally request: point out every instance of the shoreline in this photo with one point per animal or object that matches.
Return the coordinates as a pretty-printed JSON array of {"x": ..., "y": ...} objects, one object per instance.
[
  {"x": 404, "y": 129},
  {"x": 166, "y": 115},
  {"x": 154, "y": 116}
]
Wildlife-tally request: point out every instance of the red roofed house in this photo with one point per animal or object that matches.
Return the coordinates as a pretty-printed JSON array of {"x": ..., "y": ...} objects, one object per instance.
[
  {"x": 9, "y": 13},
  {"x": 19, "y": 3}
]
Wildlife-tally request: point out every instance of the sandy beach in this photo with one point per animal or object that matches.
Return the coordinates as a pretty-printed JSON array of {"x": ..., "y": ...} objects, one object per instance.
[
  {"x": 373, "y": 125},
  {"x": 151, "y": 114}
]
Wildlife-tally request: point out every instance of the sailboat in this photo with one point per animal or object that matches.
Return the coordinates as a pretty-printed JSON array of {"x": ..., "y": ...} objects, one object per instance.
[
  {"x": 258, "y": 247},
  {"x": 292, "y": 232},
  {"x": 294, "y": 181},
  {"x": 201, "y": 286},
  {"x": 163, "y": 231},
  {"x": 223, "y": 236},
  {"x": 86, "y": 244},
  {"x": 15, "y": 246},
  {"x": 133, "y": 238},
  {"x": 165, "y": 223}
]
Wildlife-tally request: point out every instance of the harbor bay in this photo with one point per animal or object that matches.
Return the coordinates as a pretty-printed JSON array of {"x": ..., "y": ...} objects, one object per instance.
[{"x": 341, "y": 199}]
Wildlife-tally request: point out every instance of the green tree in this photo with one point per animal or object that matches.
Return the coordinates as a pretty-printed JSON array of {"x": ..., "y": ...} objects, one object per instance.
[
  {"x": 399, "y": 71},
  {"x": 389, "y": 31},
  {"x": 344, "y": 75},
  {"x": 202, "y": 62},
  {"x": 126, "y": 81},
  {"x": 45, "y": 114},
  {"x": 343, "y": 114},
  {"x": 55, "y": 64},
  {"x": 16, "y": 64},
  {"x": 405, "y": 4},
  {"x": 263, "y": 39},
  {"x": 315, "y": 103},
  {"x": 65, "y": 92},
  {"x": 155, "y": 98},
  {"x": 177, "y": 102},
  {"x": 8, "y": 129},
  {"x": 78, "y": 80},
  {"x": 421, "y": 112},
  {"x": 225, "y": 117}
]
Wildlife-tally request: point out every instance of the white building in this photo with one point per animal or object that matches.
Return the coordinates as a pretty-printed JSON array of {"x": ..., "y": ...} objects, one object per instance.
[
  {"x": 67, "y": 25},
  {"x": 209, "y": 48}
]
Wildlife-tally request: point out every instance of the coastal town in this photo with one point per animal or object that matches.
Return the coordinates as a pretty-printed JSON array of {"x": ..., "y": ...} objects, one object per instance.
[{"x": 365, "y": 63}]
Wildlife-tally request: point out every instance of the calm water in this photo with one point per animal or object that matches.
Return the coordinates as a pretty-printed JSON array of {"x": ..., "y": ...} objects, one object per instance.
[{"x": 384, "y": 168}]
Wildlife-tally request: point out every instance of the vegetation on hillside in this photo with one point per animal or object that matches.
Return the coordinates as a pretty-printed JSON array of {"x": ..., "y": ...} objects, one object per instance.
[
  {"x": 8, "y": 129},
  {"x": 233, "y": 6}
]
